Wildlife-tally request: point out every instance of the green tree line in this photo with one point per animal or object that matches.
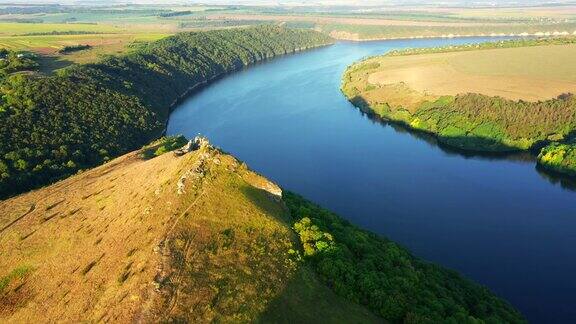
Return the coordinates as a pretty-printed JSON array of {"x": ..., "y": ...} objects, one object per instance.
[
  {"x": 513, "y": 43},
  {"x": 53, "y": 126},
  {"x": 370, "y": 270}
]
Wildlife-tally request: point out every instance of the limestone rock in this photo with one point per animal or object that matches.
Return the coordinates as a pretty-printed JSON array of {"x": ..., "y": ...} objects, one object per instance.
[{"x": 194, "y": 144}]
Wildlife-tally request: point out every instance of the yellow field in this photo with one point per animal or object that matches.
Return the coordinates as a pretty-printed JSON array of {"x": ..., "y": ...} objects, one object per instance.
[{"x": 530, "y": 73}]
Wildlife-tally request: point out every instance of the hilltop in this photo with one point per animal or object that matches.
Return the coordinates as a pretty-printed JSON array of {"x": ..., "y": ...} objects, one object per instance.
[
  {"x": 198, "y": 237},
  {"x": 154, "y": 236}
]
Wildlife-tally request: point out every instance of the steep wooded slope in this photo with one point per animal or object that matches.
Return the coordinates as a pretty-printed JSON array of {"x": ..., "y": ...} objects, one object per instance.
[{"x": 51, "y": 127}]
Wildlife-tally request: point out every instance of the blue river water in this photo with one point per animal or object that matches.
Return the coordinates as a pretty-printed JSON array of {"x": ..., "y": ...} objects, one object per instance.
[{"x": 496, "y": 220}]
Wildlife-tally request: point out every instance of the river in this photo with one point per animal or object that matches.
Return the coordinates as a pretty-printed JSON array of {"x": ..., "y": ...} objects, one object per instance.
[{"x": 496, "y": 220}]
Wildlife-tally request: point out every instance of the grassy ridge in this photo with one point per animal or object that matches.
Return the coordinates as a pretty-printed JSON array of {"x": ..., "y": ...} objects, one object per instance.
[
  {"x": 51, "y": 127},
  {"x": 367, "y": 269},
  {"x": 466, "y": 121},
  {"x": 205, "y": 239}
]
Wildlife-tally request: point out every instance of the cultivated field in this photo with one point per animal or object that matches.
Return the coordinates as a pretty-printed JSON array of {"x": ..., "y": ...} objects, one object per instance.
[
  {"x": 48, "y": 39},
  {"x": 493, "y": 97},
  {"x": 529, "y": 73}
]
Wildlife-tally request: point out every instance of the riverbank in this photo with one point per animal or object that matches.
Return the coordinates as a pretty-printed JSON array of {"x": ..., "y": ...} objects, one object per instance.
[
  {"x": 90, "y": 113},
  {"x": 466, "y": 111},
  {"x": 200, "y": 85},
  {"x": 271, "y": 255}
]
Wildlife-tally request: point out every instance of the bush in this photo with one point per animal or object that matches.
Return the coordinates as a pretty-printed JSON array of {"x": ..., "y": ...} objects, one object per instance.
[
  {"x": 559, "y": 158},
  {"x": 73, "y": 48},
  {"x": 163, "y": 145}
]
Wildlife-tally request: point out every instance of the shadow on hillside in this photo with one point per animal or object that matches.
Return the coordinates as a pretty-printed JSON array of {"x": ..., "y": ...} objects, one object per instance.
[
  {"x": 267, "y": 203},
  {"x": 307, "y": 300},
  {"x": 449, "y": 145},
  {"x": 49, "y": 64},
  {"x": 564, "y": 181}
]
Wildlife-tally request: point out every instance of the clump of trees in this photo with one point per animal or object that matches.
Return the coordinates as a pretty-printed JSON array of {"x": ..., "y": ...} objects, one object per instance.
[
  {"x": 175, "y": 13},
  {"x": 64, "y": 32},
  {"x": 367, "y": 269},
  {"x": 53, "y": 126},
  {"x": 74, "y": 48},
  {"x": 312, "y": 238},
  {"x": 559, "y": 158},
  {"x": 16, "y": 61}
]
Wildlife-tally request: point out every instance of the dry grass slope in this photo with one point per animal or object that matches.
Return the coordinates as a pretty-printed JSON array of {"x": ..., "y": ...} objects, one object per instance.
[{"x": 119, "y": 243}]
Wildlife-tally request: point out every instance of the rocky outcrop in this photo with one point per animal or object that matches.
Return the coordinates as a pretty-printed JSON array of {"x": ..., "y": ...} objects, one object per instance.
[
  {"x": 194, "y": 144},
  {"x": 197, "y": 171}
]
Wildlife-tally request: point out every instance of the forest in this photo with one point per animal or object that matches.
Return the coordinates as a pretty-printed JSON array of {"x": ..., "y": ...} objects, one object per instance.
[
  {"x": 364, "y": 268},
  {"x": 54, "y": 126},
  {"x": 478, "y": 122}
]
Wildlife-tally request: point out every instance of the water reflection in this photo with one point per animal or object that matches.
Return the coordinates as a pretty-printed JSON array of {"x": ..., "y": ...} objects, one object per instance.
[{"x": 432, "y": 140}]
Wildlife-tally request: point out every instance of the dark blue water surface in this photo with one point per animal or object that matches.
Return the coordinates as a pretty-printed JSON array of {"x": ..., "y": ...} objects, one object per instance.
[{"x": 498, "y": 221}]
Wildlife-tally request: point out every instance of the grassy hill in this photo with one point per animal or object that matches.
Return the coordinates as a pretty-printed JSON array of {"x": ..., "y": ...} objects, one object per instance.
[
  {"x": 496, "y": 97},
  {"x": 152, "y": 236},
  {"x": 119, "y": 243}
]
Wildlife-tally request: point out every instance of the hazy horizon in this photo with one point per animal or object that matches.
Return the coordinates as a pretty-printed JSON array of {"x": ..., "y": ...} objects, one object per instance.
[{"x": 471, "y": 3}]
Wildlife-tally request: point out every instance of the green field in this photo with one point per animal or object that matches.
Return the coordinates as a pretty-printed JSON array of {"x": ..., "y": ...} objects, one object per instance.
[
  {"x": 17, "y": 29},
  {"x": 47, "y": 39},
  {"x": 48, "y": 43}
]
